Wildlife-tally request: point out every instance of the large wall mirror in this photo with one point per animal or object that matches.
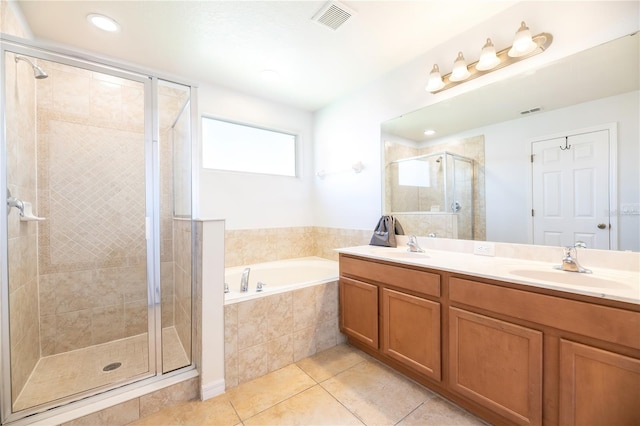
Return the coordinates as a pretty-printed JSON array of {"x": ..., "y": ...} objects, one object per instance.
[{"x": 508, "y": 161}]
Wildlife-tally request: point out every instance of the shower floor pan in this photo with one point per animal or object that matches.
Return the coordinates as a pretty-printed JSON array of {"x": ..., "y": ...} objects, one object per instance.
[{"x": 62, "y": 375}]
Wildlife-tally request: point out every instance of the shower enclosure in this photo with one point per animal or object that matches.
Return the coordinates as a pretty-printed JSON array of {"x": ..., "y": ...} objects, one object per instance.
[
  {"x": 96, "y": 233},
  {"x": 433, "y": 194}
]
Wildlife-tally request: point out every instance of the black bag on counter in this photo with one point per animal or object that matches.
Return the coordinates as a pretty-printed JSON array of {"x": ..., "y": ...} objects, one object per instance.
[{"x": 385, "y": 232}]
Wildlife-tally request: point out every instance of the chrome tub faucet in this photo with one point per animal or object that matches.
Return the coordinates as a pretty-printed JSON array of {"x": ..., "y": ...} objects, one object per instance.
[{"x": 244, "y": 281}]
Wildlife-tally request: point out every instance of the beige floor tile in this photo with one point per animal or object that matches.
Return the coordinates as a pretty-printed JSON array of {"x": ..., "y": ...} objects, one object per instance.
[
  {"x": 312, "y": 407},
  {"x": 327, "y": 364},
  {"x": 253, "y": 397},
  {"x": 437, "y": 412},
  {"x": 376, "y": 394},
  {"x": 217, "y": 411}
]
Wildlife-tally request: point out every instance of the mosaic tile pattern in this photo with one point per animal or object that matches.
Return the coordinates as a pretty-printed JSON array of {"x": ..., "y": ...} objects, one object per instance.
[{"x": 96, "y": 195}]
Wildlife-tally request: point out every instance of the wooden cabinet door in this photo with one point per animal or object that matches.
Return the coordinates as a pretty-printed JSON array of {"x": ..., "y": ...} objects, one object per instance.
[
  {"x": 598, "y": 387},
  {"x": 497, "y": 364},
  {"x": 411, "y": 331},
  {"x": 359, "y": 311}
]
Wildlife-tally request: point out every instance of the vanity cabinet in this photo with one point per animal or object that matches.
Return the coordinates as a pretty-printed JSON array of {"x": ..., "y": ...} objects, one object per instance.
[
  {"x": 394, "y": 301},
  {"x": 411, "y": 331},
  {"x": 510, "y": 353},
  {"x": 598, "y": 387},
  {"x": 359, "y": 311},
  {"x": 497, "y": 364}
]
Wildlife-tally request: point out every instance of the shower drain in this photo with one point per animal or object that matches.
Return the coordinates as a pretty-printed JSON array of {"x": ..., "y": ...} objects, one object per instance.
[{"x": 112, "y": 366}]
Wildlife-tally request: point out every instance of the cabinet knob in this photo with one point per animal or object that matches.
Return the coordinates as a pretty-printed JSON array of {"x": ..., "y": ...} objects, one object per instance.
[{"x": 601, "y": 226}]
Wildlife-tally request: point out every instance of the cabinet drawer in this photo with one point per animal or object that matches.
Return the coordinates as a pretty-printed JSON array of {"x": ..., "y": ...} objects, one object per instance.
[
  {"x": 601, "y": 322},
  {"x": 402, "y": 277}
]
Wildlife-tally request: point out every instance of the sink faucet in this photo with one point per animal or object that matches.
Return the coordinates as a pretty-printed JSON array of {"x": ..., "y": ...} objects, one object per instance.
[
  {"x": 413, "y": 244},
  {"x": 570, "y": 259},
  {"x": 244, "y": 281}
]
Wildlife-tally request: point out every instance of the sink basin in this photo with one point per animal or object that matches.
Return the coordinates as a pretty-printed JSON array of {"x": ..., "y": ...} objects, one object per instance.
[{"x": 569, "y": 278}]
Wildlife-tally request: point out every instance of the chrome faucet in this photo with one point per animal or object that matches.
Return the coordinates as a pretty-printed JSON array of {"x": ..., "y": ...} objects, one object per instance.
[
  {"x": 570, "y": 259},
  {"x": 244, "y": 281},
  {"x": 413, "y": 245}
]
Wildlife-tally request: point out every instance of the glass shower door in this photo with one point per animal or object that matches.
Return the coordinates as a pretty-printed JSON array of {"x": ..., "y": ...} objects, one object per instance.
[{"x": 77, "y": 163}]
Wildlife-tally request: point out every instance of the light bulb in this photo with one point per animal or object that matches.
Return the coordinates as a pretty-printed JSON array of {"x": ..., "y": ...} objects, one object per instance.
[
  {"x": 488, "y": 59},
  {"x": 523, "y": 44},
  {"x": 460, "y": 71},
  {"x": 435, "y": 82}
]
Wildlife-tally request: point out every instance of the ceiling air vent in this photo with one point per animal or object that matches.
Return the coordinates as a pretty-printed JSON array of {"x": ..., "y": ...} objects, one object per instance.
[
  {"x": 333, "y": 15},
  {"x": 530, "y": 111}
]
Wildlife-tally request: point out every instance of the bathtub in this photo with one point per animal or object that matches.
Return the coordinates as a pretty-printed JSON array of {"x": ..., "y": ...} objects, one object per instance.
[{"x": 279, "y": 276}]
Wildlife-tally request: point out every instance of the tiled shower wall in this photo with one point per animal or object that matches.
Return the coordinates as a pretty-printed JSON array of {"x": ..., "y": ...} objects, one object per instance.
[
  {"x": 91, "y": 180},
  {"x": 24, "y": 329},
  {"x": 91, "y": 189}
]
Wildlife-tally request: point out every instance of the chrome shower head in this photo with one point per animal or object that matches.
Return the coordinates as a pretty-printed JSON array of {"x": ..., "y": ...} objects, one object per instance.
[{"x": 37, "y": 71}]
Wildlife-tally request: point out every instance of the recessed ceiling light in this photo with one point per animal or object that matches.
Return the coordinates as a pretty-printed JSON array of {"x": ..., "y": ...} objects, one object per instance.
[
  {"x": 429, "y": 132},
  {"x": 270, "y": 75},
  {"x": 103, "y": 22}
]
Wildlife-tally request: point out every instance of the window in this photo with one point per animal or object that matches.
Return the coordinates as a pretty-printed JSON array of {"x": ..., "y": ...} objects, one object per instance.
[{"x": 242, "y": 148}]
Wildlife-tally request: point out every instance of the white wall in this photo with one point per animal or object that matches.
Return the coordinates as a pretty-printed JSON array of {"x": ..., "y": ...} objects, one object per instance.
[
  {"x": 350, "y": 128},
  {"x": 249, "y": 201}
]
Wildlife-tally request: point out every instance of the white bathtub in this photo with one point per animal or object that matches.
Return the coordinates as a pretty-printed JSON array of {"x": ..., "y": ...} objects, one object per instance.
[{"x": 279, "y": 276}]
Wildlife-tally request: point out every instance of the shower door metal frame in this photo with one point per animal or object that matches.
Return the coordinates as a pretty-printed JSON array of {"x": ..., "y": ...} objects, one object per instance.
[{"x": 152, "y": 207}]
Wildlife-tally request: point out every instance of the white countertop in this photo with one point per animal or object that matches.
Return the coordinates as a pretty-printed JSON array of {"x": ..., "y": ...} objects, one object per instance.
[{"x": 615, "y": 284}]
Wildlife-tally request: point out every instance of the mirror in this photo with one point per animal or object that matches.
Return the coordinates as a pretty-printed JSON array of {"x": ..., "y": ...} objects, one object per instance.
[{"x": 495, "y": 126}]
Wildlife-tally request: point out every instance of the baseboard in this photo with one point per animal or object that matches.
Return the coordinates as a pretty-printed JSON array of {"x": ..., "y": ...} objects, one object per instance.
[{"x": 212, "y": 389}]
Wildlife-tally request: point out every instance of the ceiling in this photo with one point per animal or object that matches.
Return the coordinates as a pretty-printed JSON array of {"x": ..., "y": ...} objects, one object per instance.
[
  {"x": 230, "y": 43},
  {"x": 582, "y": 77}
]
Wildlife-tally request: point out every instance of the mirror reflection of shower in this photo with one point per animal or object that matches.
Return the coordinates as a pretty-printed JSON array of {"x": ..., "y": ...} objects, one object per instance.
[
  {"x": 438, "y": 184},
  {"x": 38, "y": 72}
]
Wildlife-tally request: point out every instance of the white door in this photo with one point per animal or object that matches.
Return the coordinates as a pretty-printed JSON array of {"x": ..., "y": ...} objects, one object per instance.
[{"x": 570, "y": 179}]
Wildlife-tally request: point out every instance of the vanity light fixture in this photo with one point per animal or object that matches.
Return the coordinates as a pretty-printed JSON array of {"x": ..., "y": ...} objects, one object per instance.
[
  {"x": 435, "y": 82},
  {"x": 524, "y": 46},
  {"x": 488, "y": 58},
  {"x": 523, "y": 43},
  {"x": 103, "y": 22},
  {"x": 460, "y": 71}
]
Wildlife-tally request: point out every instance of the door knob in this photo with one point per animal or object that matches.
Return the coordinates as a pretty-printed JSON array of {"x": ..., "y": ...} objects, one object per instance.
[{"x": 601, "y": 226}]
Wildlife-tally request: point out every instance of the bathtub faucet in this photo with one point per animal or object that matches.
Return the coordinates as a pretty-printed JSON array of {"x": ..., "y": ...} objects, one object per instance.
[{"x": 244, "y": 281}]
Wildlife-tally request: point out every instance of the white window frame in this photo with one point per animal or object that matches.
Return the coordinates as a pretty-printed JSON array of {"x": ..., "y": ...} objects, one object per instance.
[{"x": 296, "y": 142}]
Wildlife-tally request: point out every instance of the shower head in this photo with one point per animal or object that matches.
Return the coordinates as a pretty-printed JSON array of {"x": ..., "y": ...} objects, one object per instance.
[
  {"x": 37, "y": 71},
  {"x": 439, "y": 159}
]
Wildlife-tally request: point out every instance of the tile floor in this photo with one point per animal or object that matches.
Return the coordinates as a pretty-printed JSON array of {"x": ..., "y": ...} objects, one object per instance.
[
  {"x": 340, "y": 386},
  {"x": 65, "y": 374}
]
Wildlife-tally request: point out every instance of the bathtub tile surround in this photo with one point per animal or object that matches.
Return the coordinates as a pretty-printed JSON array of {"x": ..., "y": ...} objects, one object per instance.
[
  {"x": 249, "y": 246},
  {"x": 265, "y": 334},
  {"x": 339, "y": 386}
]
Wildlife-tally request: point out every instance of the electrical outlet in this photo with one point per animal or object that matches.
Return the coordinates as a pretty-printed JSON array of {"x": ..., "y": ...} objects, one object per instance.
[
  {"x": 484, "y": 248},
  {"x": 630, "y": 209}
]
